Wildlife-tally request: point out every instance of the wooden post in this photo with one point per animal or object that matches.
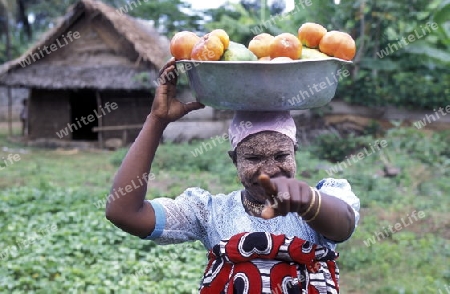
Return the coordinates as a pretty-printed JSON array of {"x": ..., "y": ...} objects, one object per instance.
[
  {"x": 9, "y": 111},
  {"x": 8, "y": 57},
  {"x": 124, "y": 137},
  {"x": 100, "y": 119}
]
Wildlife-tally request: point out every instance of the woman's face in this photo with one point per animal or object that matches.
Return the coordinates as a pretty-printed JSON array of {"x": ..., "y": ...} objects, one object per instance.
[{"x": 269, "y": 153}]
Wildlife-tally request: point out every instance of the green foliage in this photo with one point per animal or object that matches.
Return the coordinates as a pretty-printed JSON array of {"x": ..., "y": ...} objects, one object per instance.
[
  {"x": 236, "y": 21},
  {"x": 213, "y": 161},
  {"x": 431, "y": 149},
  {"x": 45, "y": 15},
  {"x": 82, "y": 251},
  {"x": 413, "y": 75},
  {"x": 118, "y": 156},
  {"x": 17, "y": 47},
  {"x": 334, "y": 148},
  {"x": 169, "y": 16},
  {"x": 407, "y": 89}
]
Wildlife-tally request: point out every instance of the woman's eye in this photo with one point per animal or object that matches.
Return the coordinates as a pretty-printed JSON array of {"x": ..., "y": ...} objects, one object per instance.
[
  {"x": 252, "y": 158},
  {"x": 281, "y": 157}
]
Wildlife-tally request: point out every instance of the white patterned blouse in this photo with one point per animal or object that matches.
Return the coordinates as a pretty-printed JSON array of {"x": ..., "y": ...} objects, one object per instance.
[{"x": 198, "y": 215}]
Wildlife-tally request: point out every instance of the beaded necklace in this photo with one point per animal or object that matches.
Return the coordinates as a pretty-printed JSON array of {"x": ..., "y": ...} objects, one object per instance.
[{"x": 255, "y": 208}]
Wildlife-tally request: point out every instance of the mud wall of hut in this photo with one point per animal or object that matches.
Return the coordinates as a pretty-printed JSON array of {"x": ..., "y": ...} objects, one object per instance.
[
  {"x": 132, "y": 109},
  {"x": 49, "y": 112},
  {"x": 17, "y": 96}
]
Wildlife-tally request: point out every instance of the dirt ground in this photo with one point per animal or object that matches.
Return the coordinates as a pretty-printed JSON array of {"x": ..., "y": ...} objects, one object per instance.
[{"x": 17, "y": 125}]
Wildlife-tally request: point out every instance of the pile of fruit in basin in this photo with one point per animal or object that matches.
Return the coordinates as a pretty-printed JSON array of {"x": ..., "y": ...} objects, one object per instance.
[{"x": 313, "y": 41}]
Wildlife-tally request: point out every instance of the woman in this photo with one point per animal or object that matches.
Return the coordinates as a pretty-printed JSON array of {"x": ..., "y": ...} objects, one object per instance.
[{"x": 277, "y": 235}]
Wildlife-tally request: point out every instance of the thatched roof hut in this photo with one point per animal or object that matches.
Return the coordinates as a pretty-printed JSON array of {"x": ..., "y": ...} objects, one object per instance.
[
  {"x": 133, "y": 45},
  {"x": 94, "y": 55}
]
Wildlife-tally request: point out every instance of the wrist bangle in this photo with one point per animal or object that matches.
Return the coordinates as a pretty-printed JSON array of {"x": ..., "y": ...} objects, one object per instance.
[
  {"x": 312, "y": 202},
  {"x": 318, "y": 209}
]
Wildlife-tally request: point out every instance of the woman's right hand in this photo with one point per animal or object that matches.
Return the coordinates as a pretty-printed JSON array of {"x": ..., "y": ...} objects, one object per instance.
[{"x": 166, "y": 107}]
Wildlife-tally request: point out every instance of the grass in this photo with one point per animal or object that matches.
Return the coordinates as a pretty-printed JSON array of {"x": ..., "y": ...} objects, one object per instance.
[{"x": 58, "y": 241}]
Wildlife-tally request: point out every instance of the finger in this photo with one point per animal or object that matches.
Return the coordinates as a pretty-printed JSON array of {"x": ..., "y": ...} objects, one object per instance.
[
  {"x": 164, "y": 68},
  {"x": 170, "y": 62},
  {"x": 169, "y": 75},
  {"x": 283, "y": 199},
  {"x": 190, "y": 106},
  {"x": 268, "y": 212},
  {"x": 296, "y": 198},
  {"x": 269, "y": 187},
  {"x": 271, "y": 210}
]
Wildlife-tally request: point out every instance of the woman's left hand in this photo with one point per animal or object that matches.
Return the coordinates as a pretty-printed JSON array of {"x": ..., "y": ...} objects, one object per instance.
[
  {"x": 287, "y": 195},
  {"x": 327, "y": 215}
]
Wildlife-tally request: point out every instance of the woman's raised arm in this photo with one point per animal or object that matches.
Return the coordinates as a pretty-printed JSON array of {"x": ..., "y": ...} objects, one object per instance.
[{"x": 126, "y": 208}]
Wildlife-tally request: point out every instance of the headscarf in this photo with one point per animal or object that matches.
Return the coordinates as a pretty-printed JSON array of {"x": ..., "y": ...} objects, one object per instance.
[{"x": 246, "y": 123}]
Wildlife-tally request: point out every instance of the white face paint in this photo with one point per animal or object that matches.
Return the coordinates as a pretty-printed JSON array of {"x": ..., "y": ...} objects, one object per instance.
[{"x": 269, "y": 153}]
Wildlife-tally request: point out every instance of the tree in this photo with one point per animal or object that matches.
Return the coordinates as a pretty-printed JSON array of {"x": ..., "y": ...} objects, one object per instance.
[
  {"x": 384, "y": 71},
  {"x": 6, "y": 10},
  {"x": 248, "y": 18},
  {"x": 14, "y": 15},
  {"x": 236, "y": 20},
  {"x": 277, "y": 7},
  {"x": 170, "y": 16},
  {"x": 438, "y": 48},
  {"x": 254, "y": 7}
]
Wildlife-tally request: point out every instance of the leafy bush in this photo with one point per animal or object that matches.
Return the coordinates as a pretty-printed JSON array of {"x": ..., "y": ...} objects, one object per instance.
[
  {"x": 334, "y": 148},
  {"x": 118, "y": 156},
  {"x": 412, "y": 87},
  {"x": 428, "y": 148},
  {"x": 84, "y": 252},
  {"x": 186, "y": 158}
]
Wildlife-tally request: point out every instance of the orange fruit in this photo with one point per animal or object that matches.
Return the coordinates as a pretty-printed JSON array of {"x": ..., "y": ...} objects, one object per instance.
[
  {"x": 182, "y": 43},
  {"x": 208, "y": 48},
  {"x": 265, "y": 58},
  {"x": 285, "y": 45},
  {"x": 338, "y": 44},
  {"x": 223, "y": 36},
  {"x": 260, "y": 45},
  {"x": 310, "y": 34}
]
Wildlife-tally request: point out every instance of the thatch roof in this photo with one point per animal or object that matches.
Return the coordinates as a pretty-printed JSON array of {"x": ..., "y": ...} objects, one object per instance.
[{"x": 151, "y": 51}]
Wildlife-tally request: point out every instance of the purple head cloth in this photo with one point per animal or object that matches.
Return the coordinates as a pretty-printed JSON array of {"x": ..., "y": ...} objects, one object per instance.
[{"x": 246, "y": 123}]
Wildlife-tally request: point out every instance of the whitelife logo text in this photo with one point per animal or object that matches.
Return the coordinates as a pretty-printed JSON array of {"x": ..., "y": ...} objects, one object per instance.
[{"x": 33, "y": 57}]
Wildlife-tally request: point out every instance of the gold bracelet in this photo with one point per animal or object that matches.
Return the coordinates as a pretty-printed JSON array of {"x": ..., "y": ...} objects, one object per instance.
[
  {"x": 312, "y": 202},
  {"x": 318, "y": 209}
]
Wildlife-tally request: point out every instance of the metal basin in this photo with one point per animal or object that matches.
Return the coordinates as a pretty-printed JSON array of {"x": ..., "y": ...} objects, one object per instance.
[{"x": 264, "y": 86}]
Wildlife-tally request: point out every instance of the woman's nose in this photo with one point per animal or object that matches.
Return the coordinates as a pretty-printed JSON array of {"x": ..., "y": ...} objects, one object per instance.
[{"x": 270, "y": 168}]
